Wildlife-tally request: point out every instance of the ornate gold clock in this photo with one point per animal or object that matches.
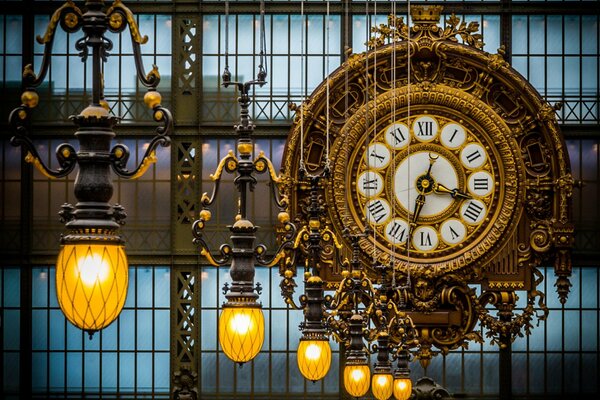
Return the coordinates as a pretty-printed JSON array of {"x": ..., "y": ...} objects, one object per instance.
[
  {"x": 453, "y": 164},
  {"x": 438, "y": 188}
]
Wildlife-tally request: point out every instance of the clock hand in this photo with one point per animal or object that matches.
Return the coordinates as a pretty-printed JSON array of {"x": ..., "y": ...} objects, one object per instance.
[{"x": 455, "y": 193}]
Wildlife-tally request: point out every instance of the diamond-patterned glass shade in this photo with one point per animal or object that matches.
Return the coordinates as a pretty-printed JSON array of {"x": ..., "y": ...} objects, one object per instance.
[
  {"x": 357, "y": 379},
  {"x": 382, "y": 386},
  {"x": 241, "y": 332},
  {"x": 402, "y": 388},
  {"x": 314, "y": 358},
  {"x": 91, "y": 283}
]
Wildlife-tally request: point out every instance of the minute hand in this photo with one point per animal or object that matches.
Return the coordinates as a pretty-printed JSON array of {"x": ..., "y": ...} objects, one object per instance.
[{"x": 455, "y": 193}]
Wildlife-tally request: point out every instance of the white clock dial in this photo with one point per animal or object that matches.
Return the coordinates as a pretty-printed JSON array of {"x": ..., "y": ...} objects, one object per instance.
[
  {"x": 453, "y": 136},
  {"x": 453, "y": 231},
  {"x": 369, "y": 184},
  {"x": 396, "y": 231},
  {"x": 413, "y": 167},
  {"x": 378, "y": 211},
  {"x": 425, "y": 128},
  {"x": 473, "y": 212},
  {"x": 378, "y": 155},
  {"x": 425, "y": 238},
  {"x": 397, "y": 136},
  {"x": 473, "y": 156},
  {"x": 480, "y": 183}
]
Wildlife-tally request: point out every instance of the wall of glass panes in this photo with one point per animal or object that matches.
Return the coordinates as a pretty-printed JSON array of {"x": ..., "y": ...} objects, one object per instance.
[
  {"x": 558, "y": 53},
  {"x": 130, "y": 356}
]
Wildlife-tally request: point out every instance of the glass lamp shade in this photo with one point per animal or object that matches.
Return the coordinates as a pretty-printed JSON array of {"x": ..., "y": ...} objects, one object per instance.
[
  {"x": 402, "y": 388},
  {"x": 241, "y": 332},
  {"x": 357, "y": 379},
  {"x": 91, "y": 283},
  {"x": 382, "y": 386},
  {"x": 314, "y": 358}
]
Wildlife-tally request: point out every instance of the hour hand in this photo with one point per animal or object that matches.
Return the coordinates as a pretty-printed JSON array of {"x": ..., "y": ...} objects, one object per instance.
[{"x": 455, "y": 193}]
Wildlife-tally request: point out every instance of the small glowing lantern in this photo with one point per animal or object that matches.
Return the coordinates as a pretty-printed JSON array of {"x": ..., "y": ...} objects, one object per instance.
[
  {"x": 314, "y": 358},
  {"x": 241, "y": 332}
]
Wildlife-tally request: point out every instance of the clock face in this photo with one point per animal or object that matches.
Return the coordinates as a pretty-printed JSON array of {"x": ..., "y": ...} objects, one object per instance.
[{"x": 425, "y": 186}]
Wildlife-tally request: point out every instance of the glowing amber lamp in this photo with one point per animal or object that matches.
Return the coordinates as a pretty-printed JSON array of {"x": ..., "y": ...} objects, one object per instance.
[
  {"x": 314, "y": 358},
  {"x": 382, "y": 386},
  {"x": 91, "y": 283},
  {"x": 357, "y": 379},
  {"x": 402, "y": 388},
  {"x": 241, "y": 332}
]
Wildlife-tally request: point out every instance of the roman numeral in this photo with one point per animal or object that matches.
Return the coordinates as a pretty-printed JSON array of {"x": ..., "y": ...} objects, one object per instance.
[
  {"x": 377, "y": 210},
  {"x": 377, "y": 156},
  {"x": 480, "y": 184},
  {"x": 369, "y": 184},
  {"x": 425, "y": 128},
  {"x": 473, "y": 211},
  {"x": 453, "y": 135},
  {"x": 473, "y": 156},
  {"x": 398, "y": 136},
  {"x": 425, "y": 239},
  {"x": 453, "y": 234},
  {"x": 395, "y": 231}
]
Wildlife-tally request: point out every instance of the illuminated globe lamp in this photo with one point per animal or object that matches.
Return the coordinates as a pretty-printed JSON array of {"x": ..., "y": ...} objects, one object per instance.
[
  {"x": 314, "y": 351},
  {"x": 91, "y": 269},
  {"x": 382, "y": 384},
  {"x": 357, "y": 374},
  {"x": 402, "y": 382},
  {"x": 242, "y": 324}
]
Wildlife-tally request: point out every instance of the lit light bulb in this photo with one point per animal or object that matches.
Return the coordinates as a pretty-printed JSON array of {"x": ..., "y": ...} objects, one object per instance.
[
  {"x": 92, "y": 268},
  {"x": 241, "y": 324},
  {"x": 314, "y": 358}
]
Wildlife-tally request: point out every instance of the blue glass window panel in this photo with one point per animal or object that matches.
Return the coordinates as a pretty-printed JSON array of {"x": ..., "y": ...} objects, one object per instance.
[
  {"x": 226, "y": 373},
  {"x": 589, "y": 76},
  {"x": 109, "y": 371},
  {"x": 589, "y": 373},
  {"x": 294, "y": 333},
  {"x": 490, "y": 373},
  {"x": 144, "y": 372},
  {"x": 130, "y": 300},
  {"x": 223, "y": 278},
  {"x": 39, "y": 289},
  {"x": 519, "y": 34},
  {"x": 75, "y": 337},
  {"x": 554, "y": 67},
  {"x": 554, "y": 371},
  {"x": 161, "y": 372},
  {"x": 144, "y": 330},
  {"x": 590, "y": 44},
  {"x": 57, "y": 368},
  {"x": 127, "y": 330},
  {"x": 208, "y": 341},
  {"x": 435, "y": 369},
  {"x": 92, "y": 371},
  {"x": 491, "y": 33},
  {"x": 315, "y": 34},
  {"x": 208, "y": 277},
  {"x": 210, "y": 29},
  {"x": 572, "y": 324},
  {"x": 208, "y": 383},
  {"x": 536, "y": 34},
  {"x": 11, "y": 327},
  {"x": 520, "y": 343},
  {"x": 453, "y": 371},
  {"x": 263, "y": 277},
  {"x": 161, "y": 329},
  {"x": 128, "y": 75},
  {"x": 57, "y": 330},
  {"x": 278, "y": 328},
  {"x": 266, "y": 346},
  {"x": 554, "y": 33},
  {"x": 296, "y": 32},
  {"x": 93, "y": 343},
  {"x": 12, "y": 287},
  {"x": 589, "y": 287},
  {"x": 574, "y": 296},
  {"x": 551, "y": 301},
  {"x": 472, "y": 368},
  {"x": 554, "y": 331},
  {"x": 52, "y": 288},
  {"x": 162, "y": 287},
  {"x": 572, "y": 36},
  {"x": 11, "y": 371},
  {"x": 39, "y": 373},
  {"x": 74, "y": 370},
  {"x": 109, "y": 337},
  {"x": 243, "y": 381},
  {"x": 537, "y": 79},
  {"x": 278, "y": 372},
  {"x": 144, "y": 287},
  {"x": 295, "y": 377},
  {"x": 39, "y": 328},
  {"x": 519, "y": 373},
  {"x": 536, "y": 373},
  {"x": 589, "y": 331},
  {"x": 572, "y": 75},
  {"x": 126, "y": 371},
  {"x": 13, "y": 68}
]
